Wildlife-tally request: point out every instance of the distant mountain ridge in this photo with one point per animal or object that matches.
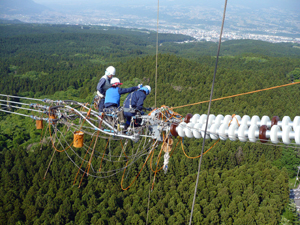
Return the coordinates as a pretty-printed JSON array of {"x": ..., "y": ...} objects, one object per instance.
[
  {"x": 20, "y": 7},
  {"x": 5, "y": 21}
]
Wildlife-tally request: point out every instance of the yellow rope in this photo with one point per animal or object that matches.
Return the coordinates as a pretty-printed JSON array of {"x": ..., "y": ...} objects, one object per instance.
[
  {"x": 200, "y": 154},
  {"x": 246, "y": 93}
]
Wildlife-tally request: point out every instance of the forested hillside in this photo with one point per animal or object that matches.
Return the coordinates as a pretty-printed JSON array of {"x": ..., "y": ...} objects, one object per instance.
[{"x": 240, "y": 183}]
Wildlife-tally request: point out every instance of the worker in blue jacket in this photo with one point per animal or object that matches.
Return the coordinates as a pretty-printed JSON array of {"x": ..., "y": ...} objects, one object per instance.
[
  {"x": 104, "y": 84},
  {"x": 134, "y": 103},
  {"x": 113, "y": 94}
]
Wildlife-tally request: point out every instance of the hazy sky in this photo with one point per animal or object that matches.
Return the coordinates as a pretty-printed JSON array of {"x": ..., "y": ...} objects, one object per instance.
[{"x": 287, "y": 4}]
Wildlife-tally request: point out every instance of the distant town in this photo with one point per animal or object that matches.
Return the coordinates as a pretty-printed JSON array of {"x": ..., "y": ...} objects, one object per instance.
[{"x": 202, "y": 24}]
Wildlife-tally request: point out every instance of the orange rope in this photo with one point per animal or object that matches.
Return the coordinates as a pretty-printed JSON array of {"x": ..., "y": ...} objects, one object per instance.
[
  {"x": 246, "y": 93},
  {"x": 200, "y": 154},
  {"x": 159, "y": 155},
  {"x": 124, "y": 189},
  {"x": 233, "y": 116}
]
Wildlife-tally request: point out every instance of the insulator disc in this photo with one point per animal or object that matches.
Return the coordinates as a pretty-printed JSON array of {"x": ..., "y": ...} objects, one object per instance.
[
  {"x": 213, "y": 131},
  {"x": 231, "y": 132},
  {"x": 219, "y": 119},
  {"x": 227, "y": 119},
  {"x": 211, "y": 119},
  {"x": 275, "y": 120},
  {"x": 286, "y": 134},
  {"x": 274, "y": 133},
  {"x": 297, "y": 135},
  {"x": 286, "y": 121},
  {"x": 180, "y": 129},
  {"x": 236, "y": 120},
  {"x": 251, "y": 132},
  {"x": 222, "y": 131},
  {"x": 188, "y": 118},
  {"x": 196, "y": 130},
  {"x": 255, "y": 120},
  {"x": 262, "y": 133},
  {"x": 241, "y": 132},
  {"x": 203, "y": 130},
  {"x": 265, "y": 120},
  {"x": 296, "y": 122},
  {"x": 188, "y": 131},
  {"x": 195, "y": 118},
  {"x": 245, "y": 120},
  {"x": 173, "y": 129},
  {"x": 202, "y": 119}
]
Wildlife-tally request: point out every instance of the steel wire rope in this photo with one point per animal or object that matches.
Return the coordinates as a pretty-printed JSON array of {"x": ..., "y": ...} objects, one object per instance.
[
  {"x": 22, "y": 108},
  {"x": 133, "y": 159},
  {"x": 156, "y": 59},
  {"x": 117, "y": 170},
  {"x": 124, "y": 189},
  {"x": 19, "y": 103},
  {"x": 20, "y": 114},
  {"x": 208, "y": 112},
  {"x": 12, "y": 96}
]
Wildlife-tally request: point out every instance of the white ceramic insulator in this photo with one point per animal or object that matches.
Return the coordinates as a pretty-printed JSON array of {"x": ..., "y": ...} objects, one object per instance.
[
  {"x": 213, "y": 131},
  {"x": 265, "y": 120},
  {"x": 222, "y": 131},
  {"x": 219, "y": 119},
  {"x": 203, "y": 130},
  {"x": 195, "y": 118},
  {"x": 297, "y": 135},
  {"x": 188, "y": 130},
  {"x": 227, "y": 119},
  {"x": 202, "y": 119},
  {"x": 180, "y": 129},
  {"x": 246, "y": 120},
  {"x": 242, "y": 132},
  {"x": 196, "y": 130},
  {"x": 286, "y": 134},
  {"x": 255, "y": 120},
  {"x": 236, "y": 120},
  {"x": 231, "y": 132},
  {"x": 251, "y": 133},
  {"x": 286, "y": 120},
  {"x": 296, "y": 122},
  {"x": 274, "y": 134},
  {"x": 211, "y": 119}
]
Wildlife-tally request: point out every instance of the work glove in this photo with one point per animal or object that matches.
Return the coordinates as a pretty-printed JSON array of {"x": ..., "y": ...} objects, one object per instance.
[
  {"x": 101, "y": 95},
  {"x": 140, "y": 85}
]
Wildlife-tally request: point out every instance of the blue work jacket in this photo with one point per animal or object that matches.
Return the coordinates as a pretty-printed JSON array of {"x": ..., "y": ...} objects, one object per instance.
[{"x": 113, "y": 94}]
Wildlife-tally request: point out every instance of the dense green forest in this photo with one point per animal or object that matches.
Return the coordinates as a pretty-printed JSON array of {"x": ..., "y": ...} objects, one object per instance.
[{"x": 240, "y": 183}]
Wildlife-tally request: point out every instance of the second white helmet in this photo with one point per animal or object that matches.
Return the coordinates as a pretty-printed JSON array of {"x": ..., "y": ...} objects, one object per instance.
[
  {"x": 115, "y": 81},
  {"x": 110, "y": 71}
]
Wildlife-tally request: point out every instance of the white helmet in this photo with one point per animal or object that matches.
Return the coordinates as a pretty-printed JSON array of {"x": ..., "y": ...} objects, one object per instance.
[
  {"x": 147, "y": 89},
  {"x": 115, "y": 81},
  {"x": 110, "y": 71}
]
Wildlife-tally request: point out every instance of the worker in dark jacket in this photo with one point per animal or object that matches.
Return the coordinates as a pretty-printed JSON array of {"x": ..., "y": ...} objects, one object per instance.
[
  {"x": 113, "y": 94},
  {"x": 104, "y": 85},
  {"x": 134, "y": 103}
]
